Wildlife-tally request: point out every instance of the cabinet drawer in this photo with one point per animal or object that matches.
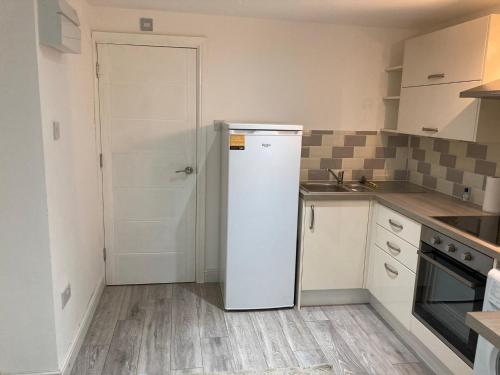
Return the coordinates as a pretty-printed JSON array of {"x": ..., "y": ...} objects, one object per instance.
[
  {"x": 398, "y": 224},
  {"x": 438, "y": 111},
  {"x": 454, "y": 54},
  {"x": 392, "y": 284},
  {"x": 397, "y": 247}
]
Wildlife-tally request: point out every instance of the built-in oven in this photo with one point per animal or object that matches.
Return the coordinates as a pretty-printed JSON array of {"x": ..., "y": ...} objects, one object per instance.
[{"x": 451, "y": 281}]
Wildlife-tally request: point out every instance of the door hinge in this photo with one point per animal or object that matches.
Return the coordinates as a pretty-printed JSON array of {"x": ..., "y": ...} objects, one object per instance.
[
  {"x": 101, "y": 160},
  {"x": 97, "y": 69},
  {"x": 104, "y": 253}
]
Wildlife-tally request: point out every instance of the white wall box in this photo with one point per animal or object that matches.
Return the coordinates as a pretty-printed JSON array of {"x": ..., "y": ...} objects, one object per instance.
[
  {"x": 332, "y": 245},
  {"x": 437, "y": 67},
  {"x": 59, "y": 26}
]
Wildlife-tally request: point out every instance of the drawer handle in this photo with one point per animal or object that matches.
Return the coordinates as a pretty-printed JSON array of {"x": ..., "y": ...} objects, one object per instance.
[
  {"x": 391, "y": 270},
  {"x": 435, "y": 76},
  {"x": 393, "y": 247},
  {"x": 431, "y": 130},
  {"x": 395, "y": 225}
]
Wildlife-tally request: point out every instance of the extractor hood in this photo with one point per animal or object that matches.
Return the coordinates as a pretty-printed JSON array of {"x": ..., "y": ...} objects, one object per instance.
[{"x": 490, "y": 90}]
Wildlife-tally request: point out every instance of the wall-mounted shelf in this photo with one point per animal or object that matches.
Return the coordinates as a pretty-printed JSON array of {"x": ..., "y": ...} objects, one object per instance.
[
  {"x": 396, "y": 68},
  {"x": 391, "y": 100}
]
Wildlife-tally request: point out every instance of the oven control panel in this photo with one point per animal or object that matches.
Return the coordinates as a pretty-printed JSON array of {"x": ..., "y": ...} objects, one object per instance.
[{"x": 457, "y": 250}]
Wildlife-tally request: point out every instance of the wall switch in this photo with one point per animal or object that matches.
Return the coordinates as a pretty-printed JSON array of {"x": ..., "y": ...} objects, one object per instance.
[
  {"x": 65, "y": 296},
  {"x": 146, "y": 24},
  {"x": 56, "y": 130}
]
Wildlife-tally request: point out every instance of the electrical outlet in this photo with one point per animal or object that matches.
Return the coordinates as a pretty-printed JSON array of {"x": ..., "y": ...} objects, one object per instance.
[
  {"x": 65, "y": 296},
  {"x": 146, "y": 24},
  {"x": 56, "y": 130}
]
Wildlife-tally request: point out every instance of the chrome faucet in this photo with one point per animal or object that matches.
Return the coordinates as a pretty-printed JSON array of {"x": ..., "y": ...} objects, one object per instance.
[{"x": 339, "y": 177}]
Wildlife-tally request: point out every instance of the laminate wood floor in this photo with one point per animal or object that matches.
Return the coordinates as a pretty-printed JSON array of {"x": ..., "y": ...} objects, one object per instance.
[{"x": 173, "y": 329}]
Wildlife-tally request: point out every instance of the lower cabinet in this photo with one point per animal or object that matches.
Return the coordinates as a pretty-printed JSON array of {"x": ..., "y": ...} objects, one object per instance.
[
  {"x": 392, "y": 284},
  {"x": 333, "y": 244}
]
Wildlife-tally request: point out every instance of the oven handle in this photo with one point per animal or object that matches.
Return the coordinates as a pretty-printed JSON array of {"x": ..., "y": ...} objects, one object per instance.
[{"x": 470, "y": 284}]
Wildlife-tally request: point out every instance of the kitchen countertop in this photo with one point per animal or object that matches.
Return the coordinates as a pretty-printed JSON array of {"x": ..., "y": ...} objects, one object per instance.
[
  {"x": 486, "y": 324},
  {"x": 421, "y": 207}
]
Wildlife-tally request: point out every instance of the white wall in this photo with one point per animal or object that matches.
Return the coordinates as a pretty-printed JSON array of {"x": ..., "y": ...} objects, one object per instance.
[
  {"x": 322, "y": 76},
  {"x": 72, "y": 177},
  {"x": 27, "y": 327}
]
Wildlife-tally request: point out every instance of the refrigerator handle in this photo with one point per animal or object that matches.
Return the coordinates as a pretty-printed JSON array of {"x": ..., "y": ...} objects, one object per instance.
[{"x": 311, "y": 226}]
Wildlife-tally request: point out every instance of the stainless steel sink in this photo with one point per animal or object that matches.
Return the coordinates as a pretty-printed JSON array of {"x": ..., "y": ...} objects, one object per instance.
[
  {"x": 324, "y": 187},
  {"x": 358, "y": 187}
]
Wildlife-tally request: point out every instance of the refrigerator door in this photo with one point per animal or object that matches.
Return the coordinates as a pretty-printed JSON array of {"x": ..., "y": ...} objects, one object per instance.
[{"x": 262, "y": 205}]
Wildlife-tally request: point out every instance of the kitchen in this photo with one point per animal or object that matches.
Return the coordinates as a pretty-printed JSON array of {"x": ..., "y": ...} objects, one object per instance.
[{"x": 380, "y": 204}]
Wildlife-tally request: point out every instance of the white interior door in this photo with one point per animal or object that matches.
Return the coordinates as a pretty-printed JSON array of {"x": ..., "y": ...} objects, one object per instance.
[{"x": 147, "y": 99}]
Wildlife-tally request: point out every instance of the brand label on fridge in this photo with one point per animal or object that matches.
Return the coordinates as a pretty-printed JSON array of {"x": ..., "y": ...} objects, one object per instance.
[{"x": 236, "y": 142}]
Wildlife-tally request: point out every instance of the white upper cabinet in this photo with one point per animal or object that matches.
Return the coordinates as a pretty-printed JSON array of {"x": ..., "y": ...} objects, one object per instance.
[
  {"x": 437, "y": 111},
  {"x": 440, "y": 65},
  {"x": 455, "y": 54}
]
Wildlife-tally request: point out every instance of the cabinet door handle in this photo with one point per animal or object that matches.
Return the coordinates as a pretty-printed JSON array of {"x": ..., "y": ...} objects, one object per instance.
[
  {"x": 393, "y": 247},
  {"x": 395, "y": 225},
  {"x": 391, "y": 270},
  {"x": 311, "y": 225},
  {"x": 435, "y": 76},
  {"x": 431, "y": 130}
]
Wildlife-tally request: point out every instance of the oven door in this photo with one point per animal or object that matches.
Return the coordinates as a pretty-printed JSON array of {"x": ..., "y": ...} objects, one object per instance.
[{"x": 445, "y": 291}]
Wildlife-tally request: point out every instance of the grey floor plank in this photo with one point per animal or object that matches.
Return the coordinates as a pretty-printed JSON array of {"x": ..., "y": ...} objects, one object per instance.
[
  {"x": 159, "y": 291},
  {"x": 211, "y": 312},
  {"x": 309, "y": 358},
  {"x": 297, "y": 333},
  {"x": 338, "y": 353},
  {"x": 217, "y": 354},
  {"x": 275, "y": 346},
  {"x": 366, "y": 317},
  {"x": 134, "y": 303},
  {"x": 245, "y": 345},
  {"x": 154, "y": 357},
  {"x": 312, "y": 314},
  {"x": 370, "y": 357},
  {"x": 103, "y": 323},
  {"x": 392, "y": 348},
  {"x": 189, "y": 371},
  {"x": 123, "y": 352},
  {"x": 90, "y": 360},
  {"x": 412, "y": 369},
  {"x": 186, "y": 343}
]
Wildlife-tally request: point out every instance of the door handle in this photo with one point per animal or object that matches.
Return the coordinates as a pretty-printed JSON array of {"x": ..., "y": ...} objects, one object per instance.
[
  {"x": 187, "y": 170},
  {"x": 434, "y": 76},
  {"x": 311, "y": 225},
  {"x": 432, "y": 130}
]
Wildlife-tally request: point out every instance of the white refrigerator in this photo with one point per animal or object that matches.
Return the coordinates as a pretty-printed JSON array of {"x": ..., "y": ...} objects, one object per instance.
[{"x": 259, "y": 206}]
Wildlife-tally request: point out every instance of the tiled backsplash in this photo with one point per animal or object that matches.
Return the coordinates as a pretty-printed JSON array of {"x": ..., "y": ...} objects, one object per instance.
[
  {"x": 371, "y": 154},
  {"x": 449, "y": 166},
  {"x": 438, "y": 164}
]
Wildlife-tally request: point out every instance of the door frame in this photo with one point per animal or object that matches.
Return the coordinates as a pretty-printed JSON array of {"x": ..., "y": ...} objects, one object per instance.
[{"x": 156, "y": 40}]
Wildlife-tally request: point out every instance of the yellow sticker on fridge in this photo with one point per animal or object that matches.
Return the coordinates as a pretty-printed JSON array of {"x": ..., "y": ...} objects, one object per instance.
[{"x": 236, "y": 142}]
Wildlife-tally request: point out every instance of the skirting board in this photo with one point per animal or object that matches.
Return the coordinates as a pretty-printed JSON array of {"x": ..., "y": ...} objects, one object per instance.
[
  {"x": 408, "y": 338},
  {"x": 84, "y": 327},
  {"x": 334, "y": 297}
]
